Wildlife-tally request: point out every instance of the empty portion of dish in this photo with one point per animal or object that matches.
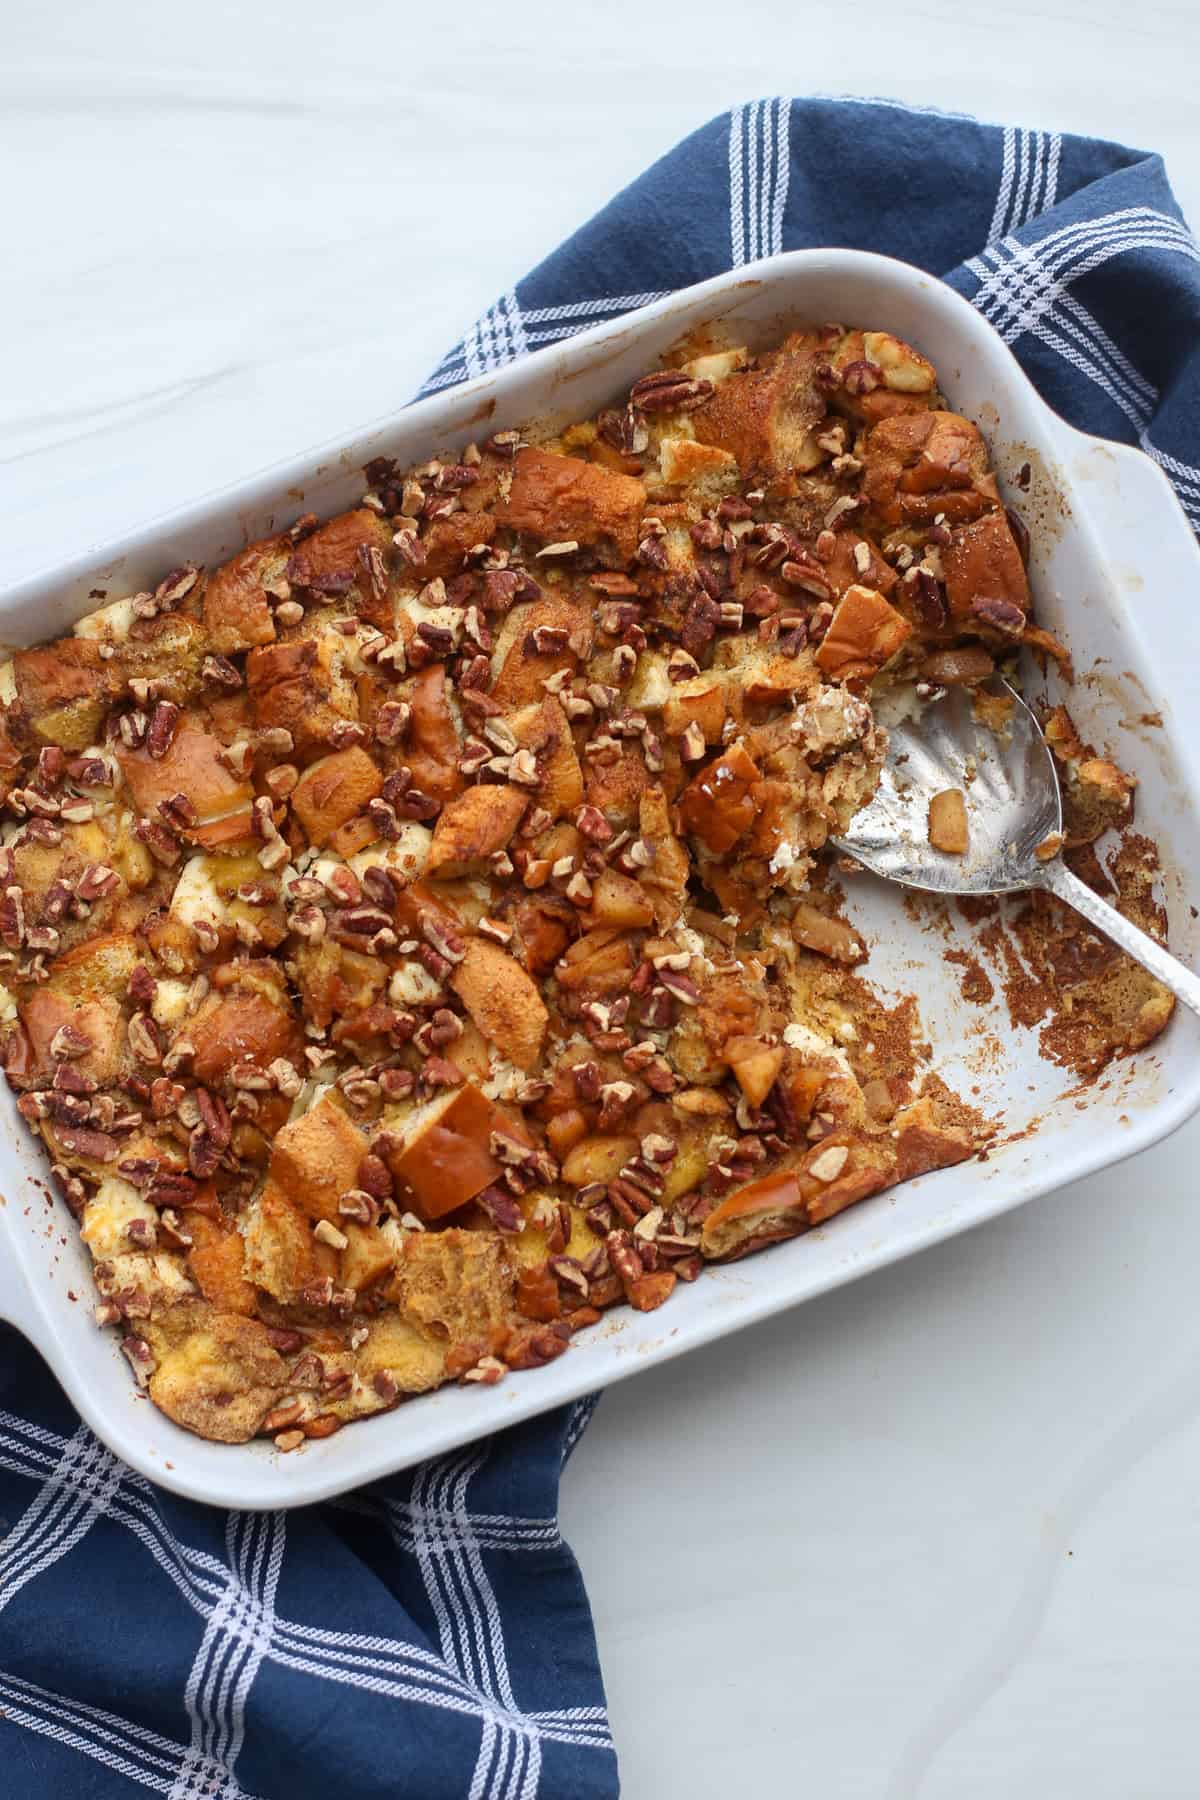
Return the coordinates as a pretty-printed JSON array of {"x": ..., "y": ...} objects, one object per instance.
[{"x": 418, "y": 932}]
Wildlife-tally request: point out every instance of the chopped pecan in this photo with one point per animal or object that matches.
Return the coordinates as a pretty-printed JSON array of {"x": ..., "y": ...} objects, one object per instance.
[{"x": 669, "y": 390}]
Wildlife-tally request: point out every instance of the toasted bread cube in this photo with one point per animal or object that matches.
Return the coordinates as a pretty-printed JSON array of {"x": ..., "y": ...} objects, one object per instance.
[
  {"x": 770, "y": 1208},
  {"x": 445, "y": 1158},
  {"x": 448, "y": 542},
  {"x": 502, "y": 1000},
  {"x": 457, "y": 1284},
  {"x": 864, "y": 633},
  {"x": 368, "y": 1257},
  {"x": 48, "y": 1008},
  {"x": 222, "y": 1380},
  {"x": 65, "y": 688},
  {"x": 519, "y": 668},
  {"x": 765, "y": 417},
  {"x": 924, "y": 1141},
  {"x": 616, "y": 787},
  {"x": 948, "y": 822},
  {"x": 400, "y": 1349},
  {"x": 865, "y": 1168},
  {"x": 237, "y": 609},
  {"x": 333, "y": 790},
  {"x": 217, "y": 1262},
  {"x": 842, "y": 565},
  {"x": 282, "y": 1255},
  {"x": 315, "y": 1159},
  {"x": 472, "y": 827},
  {"x": 559, "y": 499},
  {"x": 682, "y": 459},
  {"x": 347, "y": 546},
  {"x": 982, "y": 566},
  {"x": 920, "y": 464},
  {"x": 545, "y": 730},
  {"x": 242, "y": 1026},
  {"x": 699, "y": 701},
  {"x": 598, "y": 1159},
  {"x": 302, "y": 687},
  {"x": 193, "y": 767}
]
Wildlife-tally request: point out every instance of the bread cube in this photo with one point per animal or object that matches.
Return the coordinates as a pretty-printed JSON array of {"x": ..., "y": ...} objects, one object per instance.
[
  {"x": 697, "y": 701},
  {"x": 766, "y": 417},
  {"x": 222, "y": 1380},
  {"x": 401, "y": 1350},
  {"x": 444, "y": 1158},
  {"x": 920, "y": 464},
  {"x": 316, "y": 1157},
  {"x": 193, "y": 767},
  {"x": 242, "y": 1026},
  {"x": 65, "y": 688},
  {"x": 282, "y": 1255},
  {"x": 459, "y": 1285},
  {"x": 559, "y": 499},
  {"x": 237, "y": 609},
  {"x": 763, "y": 1210},
  {"x": 473, "y": 826},
  {"x": 216, "y": 1261},
  {"x": 433, "y": 747},
  {"x": 545, "y": 730},
  {"x": 333, "y": 790},
  {"x": 519, "y": 668},
  {"x": 503, "y": 1001},
  {"x": 982, "y": 567},
  {"x": 342, "y": 548},
  {"x": 864, "y": 633}
]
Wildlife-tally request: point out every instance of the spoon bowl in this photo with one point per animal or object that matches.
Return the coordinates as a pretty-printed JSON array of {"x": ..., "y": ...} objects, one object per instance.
[
  {"x": 1009, "y": 783},
  {"x": 1007, "y": 777}
]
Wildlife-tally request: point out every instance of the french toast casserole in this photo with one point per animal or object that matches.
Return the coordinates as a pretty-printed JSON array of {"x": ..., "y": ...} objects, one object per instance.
[{"x": 421, "y": 932}]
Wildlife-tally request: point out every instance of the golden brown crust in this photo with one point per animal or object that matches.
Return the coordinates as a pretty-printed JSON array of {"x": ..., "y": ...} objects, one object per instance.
[
  {"x": 559, "y": 499},
  {"x": 237, "y": 606},
  {"x": 416, "y": 932}
]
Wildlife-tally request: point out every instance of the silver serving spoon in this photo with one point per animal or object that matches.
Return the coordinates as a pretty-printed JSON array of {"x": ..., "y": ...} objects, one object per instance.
[{"x": 1014, "y": 821}]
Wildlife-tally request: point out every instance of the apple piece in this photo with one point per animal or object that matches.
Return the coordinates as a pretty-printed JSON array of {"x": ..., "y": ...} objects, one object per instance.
[{"x": 755, "y": 1065}]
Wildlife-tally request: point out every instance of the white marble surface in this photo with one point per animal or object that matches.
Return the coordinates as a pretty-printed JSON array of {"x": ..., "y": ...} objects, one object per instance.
[{"x": 935, "y": 1535}]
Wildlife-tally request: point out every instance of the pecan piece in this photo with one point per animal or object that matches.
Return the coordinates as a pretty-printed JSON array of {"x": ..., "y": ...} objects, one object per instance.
[{"x": 669, "y": 390}]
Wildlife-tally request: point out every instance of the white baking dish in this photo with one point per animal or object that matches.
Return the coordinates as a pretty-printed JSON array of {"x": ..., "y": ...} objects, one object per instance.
[{"x": 1115, "y": 571}]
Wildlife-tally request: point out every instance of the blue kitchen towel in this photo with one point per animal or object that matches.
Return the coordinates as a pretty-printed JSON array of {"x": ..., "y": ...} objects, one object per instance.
[
  {"x": 1074, "y": 249},
  {"x": 429, "y": 1638}
]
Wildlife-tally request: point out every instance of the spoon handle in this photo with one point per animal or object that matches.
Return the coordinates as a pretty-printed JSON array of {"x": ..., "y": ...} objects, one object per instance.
[{"x": 1143, "y": 948}]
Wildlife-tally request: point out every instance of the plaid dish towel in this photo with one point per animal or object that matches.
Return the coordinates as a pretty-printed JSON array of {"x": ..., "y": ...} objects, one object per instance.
[{"x": 429, "y": 1637}]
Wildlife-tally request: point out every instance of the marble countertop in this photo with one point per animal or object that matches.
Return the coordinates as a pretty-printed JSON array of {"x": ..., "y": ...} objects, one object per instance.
[{"x": 935, "y": 1534}]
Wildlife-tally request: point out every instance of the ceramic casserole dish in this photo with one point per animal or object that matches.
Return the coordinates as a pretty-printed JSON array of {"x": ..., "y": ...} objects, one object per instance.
[{"x": 1113, "y": 567}]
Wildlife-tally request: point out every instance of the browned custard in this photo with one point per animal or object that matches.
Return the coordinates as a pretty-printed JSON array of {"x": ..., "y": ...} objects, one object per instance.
[{"x": 417, "y": 932}]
